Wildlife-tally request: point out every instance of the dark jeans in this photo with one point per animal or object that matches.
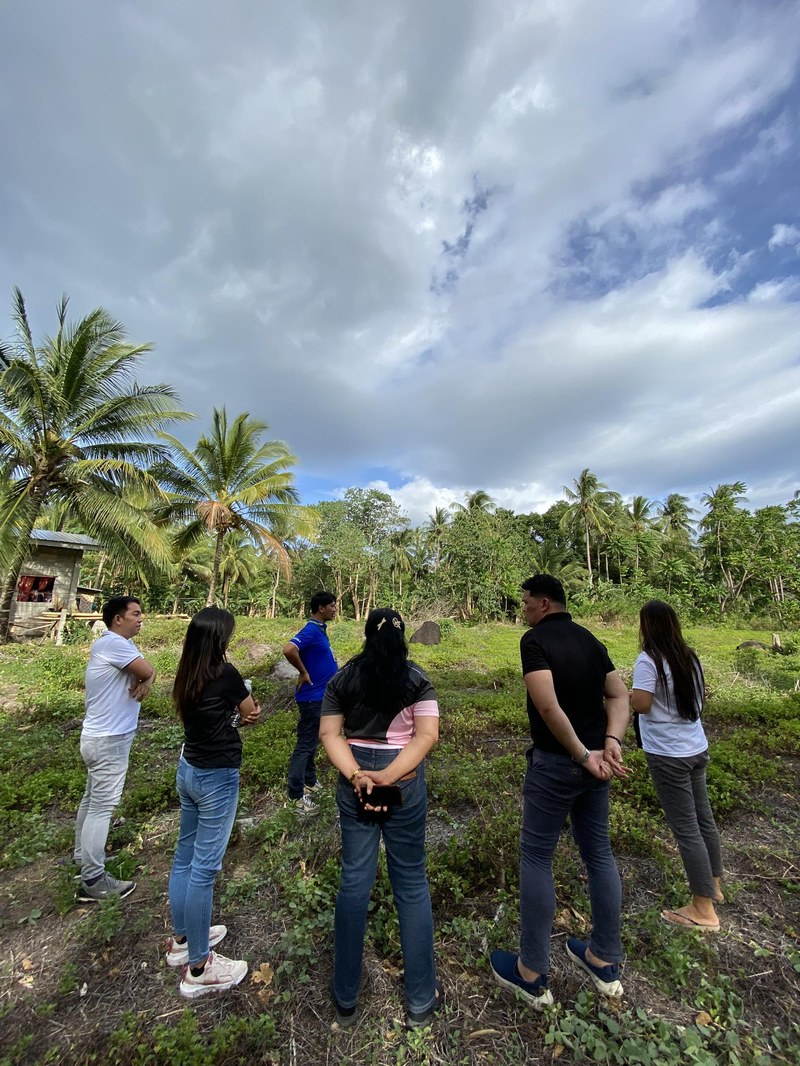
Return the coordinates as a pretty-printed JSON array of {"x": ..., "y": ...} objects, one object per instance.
[
  {"x": 681, "y": 787},
  {"x": 555, "y": 787},
  {"x": 302, "y": 769},
  {"x": 403, "y": 835}
]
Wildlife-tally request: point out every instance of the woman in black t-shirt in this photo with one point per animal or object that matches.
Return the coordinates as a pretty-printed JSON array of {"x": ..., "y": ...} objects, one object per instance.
[{"x": 211, "y": 700}]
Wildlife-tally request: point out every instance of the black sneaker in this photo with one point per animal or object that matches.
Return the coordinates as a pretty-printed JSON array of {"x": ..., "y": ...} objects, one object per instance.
[
  {"x": 345, "y": 1016},
  {"x": 419, "y": 1019}
]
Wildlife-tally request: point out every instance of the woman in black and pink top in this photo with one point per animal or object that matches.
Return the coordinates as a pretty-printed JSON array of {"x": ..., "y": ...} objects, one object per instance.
[{"x": 380, "y": 718}]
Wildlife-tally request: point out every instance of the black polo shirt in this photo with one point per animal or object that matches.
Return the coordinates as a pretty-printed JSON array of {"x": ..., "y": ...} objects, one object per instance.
[{"x": 579, "y": 664}]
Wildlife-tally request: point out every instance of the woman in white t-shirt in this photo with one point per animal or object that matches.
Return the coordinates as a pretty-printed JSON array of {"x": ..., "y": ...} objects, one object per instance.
[{"x": 668, "y": 695}]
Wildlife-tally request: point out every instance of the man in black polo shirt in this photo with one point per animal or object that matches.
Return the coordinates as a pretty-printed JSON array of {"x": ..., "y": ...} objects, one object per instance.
[{"x": 578, "y": 711}]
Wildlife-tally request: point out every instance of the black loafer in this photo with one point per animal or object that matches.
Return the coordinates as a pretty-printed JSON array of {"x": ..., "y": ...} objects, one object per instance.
[{"x": 419, "y": 1019}]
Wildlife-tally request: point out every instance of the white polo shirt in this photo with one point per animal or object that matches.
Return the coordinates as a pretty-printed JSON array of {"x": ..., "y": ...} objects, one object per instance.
[{"x": 110, "y": 709}]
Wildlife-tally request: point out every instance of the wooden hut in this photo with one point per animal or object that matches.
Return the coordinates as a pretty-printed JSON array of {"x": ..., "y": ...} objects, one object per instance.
[{"x": 48, "y": 580}]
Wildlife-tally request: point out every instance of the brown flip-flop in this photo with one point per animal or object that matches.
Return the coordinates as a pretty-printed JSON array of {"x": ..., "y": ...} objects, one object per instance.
[{"x": 676, "y": 918}]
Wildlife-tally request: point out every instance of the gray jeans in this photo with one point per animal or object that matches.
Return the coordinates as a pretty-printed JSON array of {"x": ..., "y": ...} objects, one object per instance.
[
  {"x": 106, "y": 760},
  {"x": 681, "y": 787}
]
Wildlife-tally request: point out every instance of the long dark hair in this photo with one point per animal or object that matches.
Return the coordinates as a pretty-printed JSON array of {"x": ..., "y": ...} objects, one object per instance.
[
  {"x": 382, "y": 663},
  {"x": 203, "y": 656},
  {"x": 660, "y": 636}
]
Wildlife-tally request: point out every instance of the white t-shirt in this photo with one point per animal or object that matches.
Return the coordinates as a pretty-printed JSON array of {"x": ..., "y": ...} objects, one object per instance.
[
  {"x": 663, "y": 730},
  {"x": 110, "y": 709}
]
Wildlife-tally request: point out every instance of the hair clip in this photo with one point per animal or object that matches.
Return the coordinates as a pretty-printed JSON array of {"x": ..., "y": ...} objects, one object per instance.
[
  {"x": 378, "y": 627},
  {"x": 397, "y": 623}
]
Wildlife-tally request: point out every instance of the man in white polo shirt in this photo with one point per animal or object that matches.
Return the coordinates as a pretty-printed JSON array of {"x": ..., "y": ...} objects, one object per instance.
[{"x": 117, "y": 679}]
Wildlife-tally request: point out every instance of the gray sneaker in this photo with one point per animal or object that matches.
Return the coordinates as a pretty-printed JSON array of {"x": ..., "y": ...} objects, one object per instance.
[
  {"x": 304, "y": 807},
  {"x": 106, "y": 888}
]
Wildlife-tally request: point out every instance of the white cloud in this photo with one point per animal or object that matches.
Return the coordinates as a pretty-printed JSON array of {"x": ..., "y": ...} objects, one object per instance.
[
  {"x": 783, "y": 234},
  {"x": 419, "y": 497},
  {"x": 268, "y": 192}
]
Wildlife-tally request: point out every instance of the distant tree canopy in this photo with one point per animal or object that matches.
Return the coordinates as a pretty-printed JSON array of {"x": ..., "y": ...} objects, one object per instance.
[{"x": 84, "y": 447}]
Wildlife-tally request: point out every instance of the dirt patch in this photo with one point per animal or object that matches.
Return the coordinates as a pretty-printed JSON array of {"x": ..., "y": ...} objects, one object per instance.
[{"x": 69, "y": 991}]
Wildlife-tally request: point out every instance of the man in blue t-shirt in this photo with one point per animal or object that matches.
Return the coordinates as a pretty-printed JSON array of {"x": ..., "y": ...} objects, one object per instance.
[{"x": 309, "y": 652}]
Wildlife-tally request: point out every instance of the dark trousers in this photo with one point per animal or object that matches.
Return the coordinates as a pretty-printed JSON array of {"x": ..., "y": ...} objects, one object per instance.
[
  {"x": 403, "y": 836},
  {"x": 555, "y": 787},
  {"x": 302, "y": 769}
]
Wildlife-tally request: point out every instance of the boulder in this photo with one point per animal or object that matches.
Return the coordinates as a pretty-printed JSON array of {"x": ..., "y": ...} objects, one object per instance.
[
  {"x": 752, "y": 644},
  {"x": 255, "y": 651},
  {"x": 284, "y": 671},
  {"x": 428, "y": 633}
]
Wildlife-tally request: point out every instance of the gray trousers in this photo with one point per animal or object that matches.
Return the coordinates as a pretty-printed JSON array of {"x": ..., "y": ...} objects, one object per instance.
[
  {"x": 681, "y": 787},
  {"x": 106, "y": 761}
]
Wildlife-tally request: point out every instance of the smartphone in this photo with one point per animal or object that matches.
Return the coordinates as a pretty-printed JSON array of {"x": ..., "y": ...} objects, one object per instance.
[{"x": 383, "y": 796}]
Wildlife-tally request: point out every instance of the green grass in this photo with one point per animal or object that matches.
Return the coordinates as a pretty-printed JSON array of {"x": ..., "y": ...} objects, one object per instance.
[{"x": 289, "y": 878}]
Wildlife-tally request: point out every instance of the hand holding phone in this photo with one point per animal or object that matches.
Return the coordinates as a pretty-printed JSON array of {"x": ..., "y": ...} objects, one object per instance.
[
  {"x": 381, "y": 800},
  {"x": 382, "y": 796}
]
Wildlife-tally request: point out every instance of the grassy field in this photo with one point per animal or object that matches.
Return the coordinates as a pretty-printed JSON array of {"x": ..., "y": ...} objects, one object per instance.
[{"x": 84, "y": 985}]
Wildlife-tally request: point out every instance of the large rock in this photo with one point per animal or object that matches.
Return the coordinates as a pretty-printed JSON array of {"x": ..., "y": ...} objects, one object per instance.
[
  {"x": 752, "y": 644},
  {"x": 428, "y": 633},
  {"x": 255, "y": 651},
  {"x": 284, "y": 671}
]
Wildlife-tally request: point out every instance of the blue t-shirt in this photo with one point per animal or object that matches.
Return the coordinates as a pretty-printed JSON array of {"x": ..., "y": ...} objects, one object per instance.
[{"x": 315, "y": 651}]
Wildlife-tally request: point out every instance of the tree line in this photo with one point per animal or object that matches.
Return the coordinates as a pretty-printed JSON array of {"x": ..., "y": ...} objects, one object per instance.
[{"x": 85, "y": 448}]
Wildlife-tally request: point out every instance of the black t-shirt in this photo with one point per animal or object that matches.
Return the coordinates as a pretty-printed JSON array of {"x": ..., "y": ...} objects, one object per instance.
[
  {"x": 345, "y": 694},
  {"x": 211, "y": 740},
  {"x": 579, "y": 664}
]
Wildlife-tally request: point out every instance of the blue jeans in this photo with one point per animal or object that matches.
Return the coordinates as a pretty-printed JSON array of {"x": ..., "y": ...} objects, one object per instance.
[
  {"x": 404, "y": 838},
  {"x": 555, "y": 787},
  {"x": 208, "y": 808},
  {"x": 106, "y": 760},
  {"x": 302, "y": 769}
]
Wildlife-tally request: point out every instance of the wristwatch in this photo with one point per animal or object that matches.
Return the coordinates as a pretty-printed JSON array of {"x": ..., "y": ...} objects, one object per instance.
[{"x": 584, "y": 758}]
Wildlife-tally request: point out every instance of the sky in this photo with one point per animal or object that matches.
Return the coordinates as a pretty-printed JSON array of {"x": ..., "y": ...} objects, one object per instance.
[{"x": 437, "y": 246}]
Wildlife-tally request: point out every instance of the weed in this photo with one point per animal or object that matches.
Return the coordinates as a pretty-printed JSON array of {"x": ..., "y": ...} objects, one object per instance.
[
  {"x": 32, "y": 918},
  {"x": 102, "y": 923},
  {"x": 134, "y": 1043},
  {"x": 68, "y": 978},
  {"x": 243, "y": 888}
]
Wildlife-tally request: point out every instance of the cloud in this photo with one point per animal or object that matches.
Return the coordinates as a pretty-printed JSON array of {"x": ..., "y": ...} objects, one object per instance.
[
  {"x": 465, "y": 245},
  {"x": 419, "y": 497},
  {"x": 783, "y": 234}
]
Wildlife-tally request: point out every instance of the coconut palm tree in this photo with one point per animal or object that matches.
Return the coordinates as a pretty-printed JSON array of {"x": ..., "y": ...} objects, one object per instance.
[
  {"x": 74, "y": 429},
  {"x": 240, "y": 562},
  {"x": 674, "y": 516},
  {"x": 232, "y": 481},
  {"x": 639, "y": 522},
  {"x": 589, "y": 503},
  {"x": 435, "y": 529},
  {"x": 401, "y": 559},
  {"x": 476, "y": 502},
  {"x": 721, "y": 530}
]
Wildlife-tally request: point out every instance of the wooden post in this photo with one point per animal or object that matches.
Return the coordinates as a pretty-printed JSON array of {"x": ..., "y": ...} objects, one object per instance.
[{"x": 59, "y": 628}]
